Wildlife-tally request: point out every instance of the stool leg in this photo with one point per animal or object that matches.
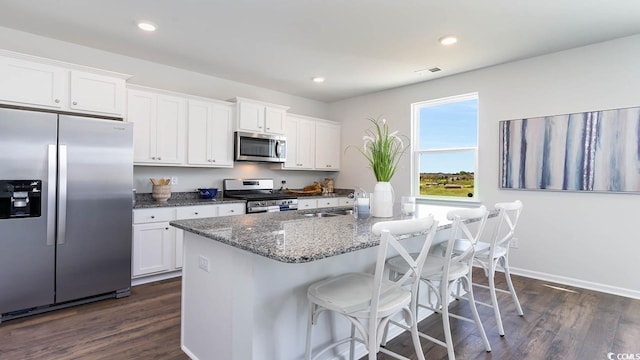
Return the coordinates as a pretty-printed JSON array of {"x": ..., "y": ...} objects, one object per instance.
[
  {"x": 476, "y": 316},
  {"x": 307, "y": 353},
  {"x": 494, "y": 298},
  {"x": 352, "y": 343},
  {"x": 443, "y": 299},
  {"x": 507, "y": 274}
]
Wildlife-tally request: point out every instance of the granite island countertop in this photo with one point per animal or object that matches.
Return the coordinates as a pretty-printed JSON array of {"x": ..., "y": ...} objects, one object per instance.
[{"x": 293, "y": 237}]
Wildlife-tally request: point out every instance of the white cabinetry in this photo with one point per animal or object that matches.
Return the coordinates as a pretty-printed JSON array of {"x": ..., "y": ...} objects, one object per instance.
[
  {"x": 153, "y": 241},
  {"x": 97, "y": 93},
  {"x": 209, "y": 134},
  {"x": 324, "y": 202},
  {"x": 300, "y": 134},
  {"x": 41, "y": 83},
  {"x": 328, "y": 202},
  {"x": 260, "y": 117},
  {"x": 157, "y": 246},
  {"x": 328, "y": 146},
  {"x": 159, "y": 127}
]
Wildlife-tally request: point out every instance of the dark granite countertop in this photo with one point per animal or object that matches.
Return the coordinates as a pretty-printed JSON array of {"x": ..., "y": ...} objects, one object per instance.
[{"x": 145, "y": 201}]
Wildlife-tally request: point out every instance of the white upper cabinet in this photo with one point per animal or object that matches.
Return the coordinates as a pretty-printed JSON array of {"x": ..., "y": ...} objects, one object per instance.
[
  {"x": 159, "y": 130},
  {"x": 97, "y": 93},
  {"x": 210, "y": 134},
  {"x": 41, "y": 83},
  {"x": 28, "y": 83},
  {"x": 300, "y": 134},
  {"x": 328, "y": 146},
  {"x": 260, "y": 117}
]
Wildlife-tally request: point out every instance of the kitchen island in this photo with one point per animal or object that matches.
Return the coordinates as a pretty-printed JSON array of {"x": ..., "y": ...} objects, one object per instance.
[{"x": 245, "y": 279}]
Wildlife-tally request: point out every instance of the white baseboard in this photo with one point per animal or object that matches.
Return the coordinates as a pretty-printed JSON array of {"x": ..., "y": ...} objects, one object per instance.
[
  {"x": 156, "y": 277},
  {"x": 634, "y": 294}
]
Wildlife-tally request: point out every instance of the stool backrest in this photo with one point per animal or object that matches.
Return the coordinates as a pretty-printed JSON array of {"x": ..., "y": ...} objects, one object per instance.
[
  {"x": 508, "y": 216},
  {"x": 389, "y": 231},
  {"x": 460, "y": 229}
]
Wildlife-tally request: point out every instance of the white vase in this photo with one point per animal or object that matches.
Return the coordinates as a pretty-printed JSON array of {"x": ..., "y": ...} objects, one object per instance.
[{"x": 382, "y": 200}]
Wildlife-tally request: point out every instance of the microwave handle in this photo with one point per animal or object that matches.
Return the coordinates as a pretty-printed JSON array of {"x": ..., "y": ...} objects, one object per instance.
[{"x": 279, "y": 146}]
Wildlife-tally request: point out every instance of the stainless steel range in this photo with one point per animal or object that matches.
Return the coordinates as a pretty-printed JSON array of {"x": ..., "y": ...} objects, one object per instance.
[{"x": 259, "y": 194}]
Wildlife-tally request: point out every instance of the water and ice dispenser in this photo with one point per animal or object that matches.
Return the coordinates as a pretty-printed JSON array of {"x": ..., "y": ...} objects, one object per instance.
[{"x": 20, "y": 198}]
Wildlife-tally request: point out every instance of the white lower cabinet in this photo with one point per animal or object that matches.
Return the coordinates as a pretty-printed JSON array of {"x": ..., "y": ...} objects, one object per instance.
[
  {"x": 328, "y": 202},
  {"x": 325, "y": 202},
  {"x": 306, "y": 204},
  {"x": 157, "y": 246},
  {"x": 152, "y": 248}
]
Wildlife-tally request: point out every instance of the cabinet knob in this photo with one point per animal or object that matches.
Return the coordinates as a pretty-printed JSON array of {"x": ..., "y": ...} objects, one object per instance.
[
  {"x": 213, "y": 160},
  {"x": 328, "y": 165},
  {"x": 231, "y": 210},
  {"x": 75, "y": 103},
  {"x": 159, "y": 158},
  {"x": 153, "y": 158},
  {"x": 57, "y": 101},
  {"x": 153, "y": 216},
  {"x": 268, "y": 128},
  {"x": 196, "y": 213},
  {"x": 166, "y": 228}
]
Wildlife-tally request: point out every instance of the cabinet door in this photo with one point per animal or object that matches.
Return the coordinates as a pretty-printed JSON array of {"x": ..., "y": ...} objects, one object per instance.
[
  {"x": 169, "y": 129},
  {"x": 306, "y": 144},
  {"x": 198, "y": 123},
  {"x": 304, "y": 204},
  {"x": 26, "y": 83},
  {"x": 152, "y": 248},
  {"x": 291, "y": 133},
  {"x": 231, "y": 209},
  {"x": 327, "y": 146},
  {"x": 179, "y": 249},
  {"x": 328, "y": 202},
  {"x": 221, "y": 136},
  {"x": 274, "y": 119},
  {"x": 250, "y": 117},
  {"x": 97, "y": 93},
  {"x": 141, "y": 110}
]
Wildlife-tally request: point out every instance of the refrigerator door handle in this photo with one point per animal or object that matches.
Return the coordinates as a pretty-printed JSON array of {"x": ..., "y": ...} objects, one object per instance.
[
  {"x": 62, "y": 194},
  {"x": 51, "y": 195}
]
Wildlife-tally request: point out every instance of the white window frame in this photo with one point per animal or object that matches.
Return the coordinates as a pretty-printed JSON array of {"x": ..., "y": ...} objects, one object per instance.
[{"x": 415, "y": 152}]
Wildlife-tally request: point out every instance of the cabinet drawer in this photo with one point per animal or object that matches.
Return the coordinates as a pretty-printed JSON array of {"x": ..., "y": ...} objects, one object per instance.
[
  {"x": 304, "y": 204},
  {"x": 322, "y": 203},
  {"x": 230, "y": 209},
  {"x": 142, "y": 216},
  {"x": 196, "y": 212},
  {"x": 345, "y": 201}
]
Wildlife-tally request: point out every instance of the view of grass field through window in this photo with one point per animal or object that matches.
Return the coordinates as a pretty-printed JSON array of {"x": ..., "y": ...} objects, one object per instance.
[{"x": 447, "y": 145}]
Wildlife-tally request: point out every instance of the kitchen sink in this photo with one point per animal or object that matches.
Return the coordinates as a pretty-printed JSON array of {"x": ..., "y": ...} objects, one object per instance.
[
  {"x": 321, "y": 214},
  {"x": 330, "y": 213}
]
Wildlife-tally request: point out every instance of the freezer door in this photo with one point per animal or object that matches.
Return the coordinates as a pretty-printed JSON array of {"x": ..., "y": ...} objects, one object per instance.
[
  {"x": 27, "y": 251},
  {"x": 95, "y": 210}
]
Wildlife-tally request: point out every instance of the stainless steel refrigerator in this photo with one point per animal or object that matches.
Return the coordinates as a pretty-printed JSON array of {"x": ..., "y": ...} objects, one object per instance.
[{"x": 65, "y": 210}]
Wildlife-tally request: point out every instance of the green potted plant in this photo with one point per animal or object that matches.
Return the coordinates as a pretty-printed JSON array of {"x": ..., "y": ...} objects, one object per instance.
[{"x": 383, "y": 150}]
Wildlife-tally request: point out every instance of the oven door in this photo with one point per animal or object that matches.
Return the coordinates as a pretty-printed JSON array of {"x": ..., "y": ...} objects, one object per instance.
[{"x": 260, "y": 147}]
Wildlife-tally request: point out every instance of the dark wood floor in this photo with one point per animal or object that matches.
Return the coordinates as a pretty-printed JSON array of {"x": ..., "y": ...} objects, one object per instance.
[{"x": 557, "y": 324}]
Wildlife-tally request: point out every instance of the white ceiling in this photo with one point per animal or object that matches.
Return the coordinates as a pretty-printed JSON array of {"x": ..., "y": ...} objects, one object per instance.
[{"x": 360, "y": 46}]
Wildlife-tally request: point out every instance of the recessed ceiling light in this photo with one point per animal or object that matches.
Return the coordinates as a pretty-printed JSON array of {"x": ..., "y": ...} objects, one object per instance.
[
  {"x": 448, "y": 40},
  {"x": 146, "y": 26},
  {"x": 318, "y": 79}
]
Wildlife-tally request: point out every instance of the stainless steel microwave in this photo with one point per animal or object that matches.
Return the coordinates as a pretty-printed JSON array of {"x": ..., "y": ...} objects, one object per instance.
[{"x": 260, "y": 147}]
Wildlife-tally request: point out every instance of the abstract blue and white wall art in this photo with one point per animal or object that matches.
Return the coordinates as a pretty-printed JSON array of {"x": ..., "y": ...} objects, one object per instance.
[{"x": 593, "y": 151}]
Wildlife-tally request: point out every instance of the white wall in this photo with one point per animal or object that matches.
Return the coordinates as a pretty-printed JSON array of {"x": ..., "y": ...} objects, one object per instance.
[
  {"x": 160, "y": 76},
  {"x": 588, "y": 240}
]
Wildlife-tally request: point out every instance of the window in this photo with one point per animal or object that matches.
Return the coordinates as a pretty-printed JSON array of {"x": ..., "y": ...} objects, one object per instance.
[{"x": 445, "y": 148}]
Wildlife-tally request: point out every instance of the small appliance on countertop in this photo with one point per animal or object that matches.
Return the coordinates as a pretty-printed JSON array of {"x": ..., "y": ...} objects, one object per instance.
[{"x": 259, "y": 195}]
